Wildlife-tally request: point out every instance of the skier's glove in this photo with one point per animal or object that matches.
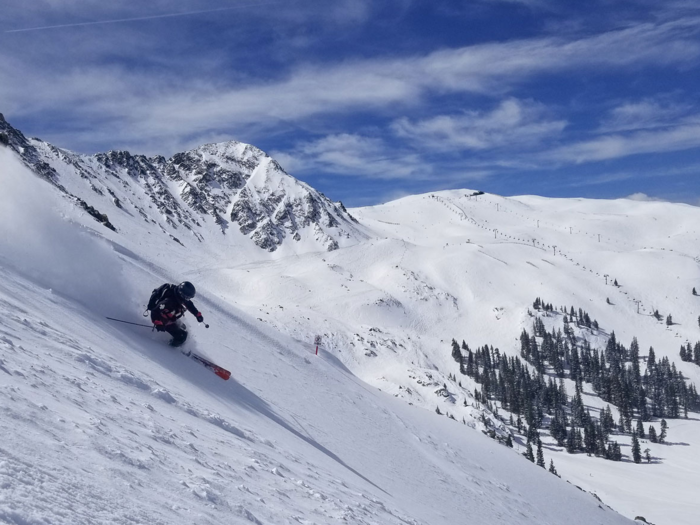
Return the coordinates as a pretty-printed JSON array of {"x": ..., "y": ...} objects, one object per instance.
[{"x": 200, "y": 318}]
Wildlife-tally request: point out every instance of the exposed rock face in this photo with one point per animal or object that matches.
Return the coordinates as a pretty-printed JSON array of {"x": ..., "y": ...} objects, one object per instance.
[
  {"x": 31, "y": 157},
  {"x": 227, "y": 184},
  {"x": 272, "y": 206}
]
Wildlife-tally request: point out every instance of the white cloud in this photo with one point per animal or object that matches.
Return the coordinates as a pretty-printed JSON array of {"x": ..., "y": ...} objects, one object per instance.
[
  {"x": 354, "y": 155},
  {"x": 162, "y": 104},
  {"x": 513, "y": 124},
  {"x": 644, "y": 114},
  {"x": 373, "y": 158},
  {"x": 676, "y": 138},
  {"x": 643, "y": 197}
]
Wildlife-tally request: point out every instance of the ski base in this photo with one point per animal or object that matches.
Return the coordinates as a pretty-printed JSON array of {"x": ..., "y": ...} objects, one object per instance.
[{"x": 219, "y": 371}]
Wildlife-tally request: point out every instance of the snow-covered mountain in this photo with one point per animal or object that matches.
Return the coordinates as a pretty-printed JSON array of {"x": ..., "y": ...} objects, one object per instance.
[
  {"x": 295, "y": 438},
  {"x": 196, "y": 195}
]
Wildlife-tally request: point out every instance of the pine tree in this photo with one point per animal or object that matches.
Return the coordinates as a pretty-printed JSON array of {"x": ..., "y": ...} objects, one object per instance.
[
  {"x": 540, "y": 455},
  {"x": 589, "y": 436},
  {"x": 437, "y": 411},
  {"x": 571, "y": 441},
  {"x": 669, "y": 320},
  {"x": 528, "y": 453},
  {"x": 652, "y": 434},
  {"x": 647, "y": 455},
  {"x": 456, "y": 352},
  {"x": 694, "y": 291},
  {"x": 664, "y": 429},
  {"x": 509, "y": 442},
  {"x": 579, "y": 440},
  {"x": 614, "y": 453},
  {"x": 651, "y": 360},
  {"x": 606, "y": 420},
  {"x": 640, "y": 429},
  {"x": 530, "y": 395},
  {"x": 636, "y": 450},
  {"x": 552, "y": 468}
]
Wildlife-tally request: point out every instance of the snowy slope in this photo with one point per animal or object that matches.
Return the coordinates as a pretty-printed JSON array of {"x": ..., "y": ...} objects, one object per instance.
[
  {"x": 401, "y": 280},
  {"x": 103, "y": 423},
  {"x": 454, "y": 265}
]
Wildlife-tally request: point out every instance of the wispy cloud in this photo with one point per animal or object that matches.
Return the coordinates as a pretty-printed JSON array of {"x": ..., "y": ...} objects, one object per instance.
[
  {"x": 513, "y": 123},
  {"x": 373, "y": 158},
  {"x": 416, "y": 115},
  {"x": 616, "y": 176},
  {"x": 354, "y": 155},
  {"x": 647, "y": 113},
  {"x": 168, "y": 102},
  {"x": 138, "y": 18},
  {"x": 675, "y": 138}
]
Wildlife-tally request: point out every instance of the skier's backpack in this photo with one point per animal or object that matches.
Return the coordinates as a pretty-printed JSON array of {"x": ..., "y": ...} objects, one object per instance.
[{"x": 157, "y": 297}]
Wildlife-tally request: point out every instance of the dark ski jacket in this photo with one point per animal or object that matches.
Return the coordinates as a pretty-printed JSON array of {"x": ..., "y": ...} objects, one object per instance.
[{"x": 166, "y": 305}]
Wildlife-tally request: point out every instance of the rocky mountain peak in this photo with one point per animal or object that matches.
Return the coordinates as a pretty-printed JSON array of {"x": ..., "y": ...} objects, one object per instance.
[{"x": 227, "y": 185}]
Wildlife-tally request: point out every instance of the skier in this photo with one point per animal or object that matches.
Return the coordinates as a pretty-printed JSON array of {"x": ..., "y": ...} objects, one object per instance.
[{"x": 168, "y": 304}]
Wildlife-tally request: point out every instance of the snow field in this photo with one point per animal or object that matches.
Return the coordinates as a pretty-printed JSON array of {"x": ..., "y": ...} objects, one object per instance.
[
  {"x": 104, "y": 423},
  {"x": 445, "y": 265}
]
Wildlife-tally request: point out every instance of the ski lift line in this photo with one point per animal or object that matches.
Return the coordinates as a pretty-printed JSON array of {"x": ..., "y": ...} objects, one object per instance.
[{"x": 138, "y": 18}]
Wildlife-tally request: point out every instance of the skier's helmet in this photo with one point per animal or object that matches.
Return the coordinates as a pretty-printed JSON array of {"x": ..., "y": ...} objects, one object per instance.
[{"x": 186, "y": 290}]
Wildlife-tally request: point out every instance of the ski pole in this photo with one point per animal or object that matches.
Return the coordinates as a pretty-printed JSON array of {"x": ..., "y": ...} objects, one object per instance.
[{"x": 129, "y": 322}]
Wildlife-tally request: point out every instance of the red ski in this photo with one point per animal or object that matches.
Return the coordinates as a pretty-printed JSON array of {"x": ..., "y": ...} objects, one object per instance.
[{"x": 219, "y": 371}]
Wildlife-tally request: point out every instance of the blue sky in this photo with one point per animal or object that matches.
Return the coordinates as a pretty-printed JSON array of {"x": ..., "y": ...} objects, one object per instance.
[{"x": 372, "y": 100}]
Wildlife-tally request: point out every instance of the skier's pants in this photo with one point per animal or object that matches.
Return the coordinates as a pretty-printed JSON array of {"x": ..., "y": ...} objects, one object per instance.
[{"x": 179, "y": 332}]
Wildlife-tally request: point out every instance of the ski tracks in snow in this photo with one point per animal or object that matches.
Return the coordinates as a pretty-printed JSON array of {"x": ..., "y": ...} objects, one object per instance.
[{"x": 89, "y": 440}]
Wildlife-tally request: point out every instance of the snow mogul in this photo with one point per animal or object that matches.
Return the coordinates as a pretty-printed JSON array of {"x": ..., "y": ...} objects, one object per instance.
[{"x": 167, "y": 304}]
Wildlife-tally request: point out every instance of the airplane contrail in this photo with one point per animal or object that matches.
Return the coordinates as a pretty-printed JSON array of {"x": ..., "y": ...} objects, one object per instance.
[{"x": 119, "y": 20}]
